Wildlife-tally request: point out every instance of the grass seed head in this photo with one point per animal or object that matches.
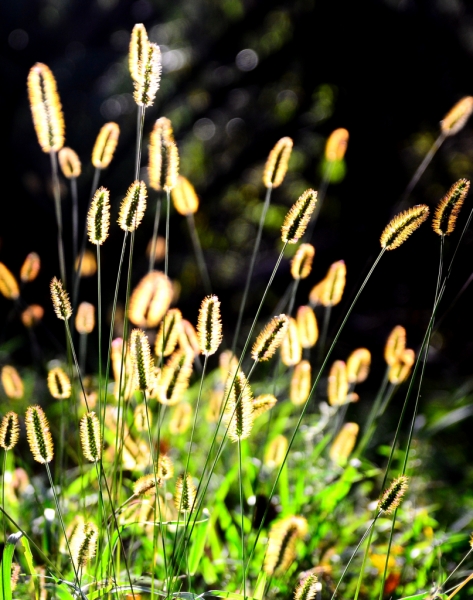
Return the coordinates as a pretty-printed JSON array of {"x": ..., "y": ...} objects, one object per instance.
[
  {"x": 395, "y": 345},
  {"x": 358, "y": 365},
  {"x": 239, "y": 414},
  {"x": 337, "y": 389},
  {"x": 59, "y": 384},
  {"x": 105, "y": 144},
  {"x": 402, "y": 226},
  {"x": 457, "y": 116},
  {"x": 276, "y": 165},
  {"x": 291, "y": 349},
  {"x": 90, "y": 437},
  {"x": 263, "y": 403},
  {"x": 188, "y": 339},
  {"x": 334, "y": 284},
  {"x": 401, "y": 369},
  {"x": 307, "y": 327},
  {"x": 300, "y": 383},
  {"x": 209, "y": 326},
  {"x": 184, "y": 498},
  {"x": 69, "y": 163},
  {"x": 215, "y": 405},
  {"x": 32, "y": 315},
  {"x": 146, "y": 485},
  {"x": 8, "y": 284},
  {"x": 30, "y": 268},
  {"x": 85, "y": 318},
  {"x": 448, "y": 208},
  {"x": 270, "y": 338},
  {"x": 163, "y": 165},
  {"x": 165, "y": 467},
  {"x": 149, "y": 76},
  {"x": 298, "y": 217},
  {"x": 393, "y": 496},
  {"x": 61, "y": 303},
  {"x": 88, "y": 267},
  {"x": 12, "y": 382},
  {"x": 174, "y": 378},
  {"x": 301, "y": 264},
  {"x": 344, "y": 443},
  {"x": 141, "y": 417},
  {"x": 275, "y": 452},
  {"x": 150, "y": 300},
  {"x": 127, "y": 380},
  {"x": 39, "y": 435},
  {"x": 141, "y": 359},
  {"x": 307, "y": 588},
  {"x": 84, "y": 544},
  {"x": 336, "y": 145},
  {"x": 184, "y": 197},
  {"x": 137, "y": 50},
  {"x": 98, "y": 217},
  {"x": 168, "y": 333},
  {"x": 9, "y": 431},
  {"x": 281, "y": 549},
  {"x": 181, "y": 418},
  {"x": 133, "y": 207}
]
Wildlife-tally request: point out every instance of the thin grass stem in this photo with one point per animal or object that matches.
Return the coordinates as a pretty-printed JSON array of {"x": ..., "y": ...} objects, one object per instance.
[
  {"x": 199, "y": 255},
  {"x": 57, "y": 208},
  {"x": 157, "y": 216},
  {"x": 242, "y": 524},
  {"x": 166, "y": 253},
  {"x": 363, "y": 564}
]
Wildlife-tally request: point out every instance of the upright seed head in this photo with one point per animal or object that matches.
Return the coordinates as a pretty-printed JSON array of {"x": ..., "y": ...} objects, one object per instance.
[
  {"x": 276, "y": 165},
  {"x": 298, "y": 217},
  {"x": 300, "y": 383},
  {"x": 209, "y": 325},
  {"x": 402, "y": 226},
  {"x": 275, "y": 452},
  {"x": 239, "y": 410},
  {"x": 184, "y": 198},
  {"x": 393, "y": 496},
  {"x": 30, "y": 268},
  {"x": 69, "y": 163},
  {"x": 8, "y": 284},
  {"x": 133, "y": 207},
  {"x": 336, "y": 145},
  {"x": 344, "y": 443},
  {"x": 181, "y": 418},
  {"x": 174, "y": 378},
  {"x": 150, "y": 300},
  {"x": 138, "y": 50},
  {"x": 291, "y": 350},
  {"x": 85, "y": 318},
  {"x": 12, "y": 382},
  {"x": 9, "y": 431},
  {"x": 401, "y": 369},
  {"x": 448, "y": 208},
  {"x": 46, "y": 108},
  {"x": 149, "y": 76},
  {"x": 59, "y": 384},
  {"x": 98, "y": 217},
  {"x": 32, "y": 315},
  {"x": 395, "y": 345},
  {"x": 90, "y": 437},
  {"x": 141, "y": 358},
  {"x": 61, "y": 304},
  {"x": 38, "y": 435},
  {"x": 270, "y": 338},
  {"x": 168, "y": 333},
  {"x": 337, "y": 384},
  {"x": 358, "y": 365},
  {"x": 105, "y": 144},
  {"x": 263, "y": 403},
  {"x": 307, "y": 588},
  {"x": 84, "y": 546},
  {"x": 165, "y": 467},
  {"x": 282, "y": 539},
  {"x": 186, "y": 492},
  {"x": 301, "y": 264},
  {"x": 334, "y": 284},
  {"x": 146, "y": 485},
  {"x": 163, "y": 166},
  {"x": 307, "y": 327},
  {"x": 457, "y": 116}
]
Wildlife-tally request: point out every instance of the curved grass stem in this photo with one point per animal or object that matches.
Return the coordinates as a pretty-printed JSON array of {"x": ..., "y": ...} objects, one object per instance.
[
  {"x": 57, "y": 208},
  {"x": 199, "y": 255}
]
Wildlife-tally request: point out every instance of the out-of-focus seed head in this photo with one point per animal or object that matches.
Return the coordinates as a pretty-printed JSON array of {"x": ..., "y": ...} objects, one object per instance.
[
  {"x": 334, "y": 284},
  {"x": 150, "y": 300},
  {"x": 457, "y": 116},
  {"x": 184, "y": 197},
  {"x": 401, "y": 369},
  {"x": 395, "y": 345},
  {"x": 168, "y": 333},
  {"x": 308, "y": 588},
  {"x": 307, "y": 327},
  {"x": 282, "y": 539},
  {"x": 239, "y": 410},
  {"x": 181, "y": 418},
  {"x": 85, "y": 318},
  {"x": 90, "y": 437},
  {"x": 291, "y": 349},
  {"x": 69, "y": 163},
  {"x": 276, "y": 452},
  {"x": 59, "y": 384},
  {"x": 105, "y": 144},
  {"x": 127, "y": 380},
  {"x": 9, "y": 431},
  {"x": 30, "y": 268},
  {"x": 215, "y": 405},
  {"x": 336, "y": 145},
  {"x": 174, "y": 378},
  {"x": 12, "y": 382},
  {"x": 133, "y": 207},
  {"x": 165, "y": 467},
  {"x": 146, "y": 485},
  {"x": 263, "y": 403},
  {"x": 8, "y": 284},
  {"x": 300, "y": 383},
  {"x": 276, "y": 165},
  {"x": 344, "y": 443},
  {"x": 138, "y": 50},
  {"x": 32, "y": 315},
  {"x": 448, "y": 208},
  {"x": 141, "y": 358},
  {"x": 402, "y": 226},
  {"x": 98, "y": 217},
  {"x": 141, "y": 417},
  {"x": 393, "y": 496},
  {"x": 358, "y": 365},
  {"x": 88, "y": 266},
  {"x": 149, "y": 76},
  {"x": 186, "y": 492},
  {"x": 337, "y": 384},
  {"x": 269, "y": 340},
  {"x": 298, "y": 217},
  {"x": 209, "y": 326},
  {"x": 188, "y": 339},
  {"x": 61, "y": 304},
  {"x": 316, "y": 293},
  {"x": 301, "y": 264},
  {"x": 39, "y": 435}
]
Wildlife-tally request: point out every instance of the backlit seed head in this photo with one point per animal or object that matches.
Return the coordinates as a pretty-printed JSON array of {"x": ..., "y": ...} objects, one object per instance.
[
  {"x": 127, "y": 379},
  {"x": 336, "y": 145},
  {"x": 457, "y": 116},
  {"x": 276, "y": 165},
  {"x": 300, "y": 383},
  {"x": 402, "y": 226},
  {"x": 358, "y": 365},
  {"x": 138, "y": 50},
  {"x": 149, "y": 76},
  {"x": 239, "y": 410},
  {"x": 98, "y": 217},
  {"x": 141, "y": 358},
  {"x": 408, "y": 357},
  {"x": 84, "y": 544},
  {"x": 38, "y": 435},
  {"x": 168, "y": 333},
  {"x": 263, "y": 403},
  {"x": 228, "y": 364},
  {"x": 30, "y": 268},
  {"x": 282, "y": 539},
  {"x": 275, "y": 452},
  {"x": 32, "y": 315},
  {"x": 8, "y": 284},
  {"x": 165, "y": 467},
  {"x": 69, "y": 163},
  {"x": 184, "y": 498},
  {"x": 291, "y": 349},
  {"x": 85, "y": 318},
  {"x": 395, "y": 345},
  {"x": 181, "y": 418},
  {"x": 316, "y": 293},
  {"x": 334, "y": 284},
  {"x": 188, "y": 339},
  {"x": 301, "y": 264},
  {"x": 61, "y": 304},
  {"x": 174, "y": 378},
  {"x": 184, "y": 198},
  {"x": 448, "y": 208},
  {"x": 393, "y": 496},
  {"x": 337, "y": 384},
  {"x": 215, "y": 405},
  {"x": 88, "y": 267},
  {"x": 46, "y": 108},
  {"x": 90, "y": 437},
  {"x": 401, "y": 368},
  {"x": 150, "y": 300},
  {"x": 298, "y": 217},
  {"x": 59, "y": 384},
  {"x": 12, "y": 383},
  {"x": 307, "y": 327},
  {"x": 344, "y": 443},
  {"x": 9, "y": 431},
  {"x": 146, "y": 485},
  {"x": 270, "y": 338},
  {"x": 163, "y": 166},
  {"x": 209, "y": 326},
  {"x": 141, "y": 418},
  {"x": 133, "y": 207},
  {"x": 105, "y": 144},
  {"x": 307, "y": 588}
]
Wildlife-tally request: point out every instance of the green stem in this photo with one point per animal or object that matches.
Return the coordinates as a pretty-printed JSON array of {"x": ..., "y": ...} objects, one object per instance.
[
  {"x": 199, "y": 255},
  {"x": 57, "y": 208},
  {"x": 363, "y": 564},
  {"x": 157, "y": 215},
  {"x": 3, "y": 511},
  {"x": 166, "y": 253},
  {"x": 242, "y": 525},
  {"x": 75, "y": 222}
]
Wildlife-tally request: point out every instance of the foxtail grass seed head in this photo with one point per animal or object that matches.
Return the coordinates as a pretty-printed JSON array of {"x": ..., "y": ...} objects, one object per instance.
[
  {"x": 188, "y": 339},
  {"x": 165, "y": 467},
  {"x": 393, "y": 496},
  {"x": 90, "y": 437},
  {"x": 8, "y": 284},
  {"x": 32, "y": 315},
  {"x": 85, "y": 318},
  {"x": 133, "y": 207},
  {"x": 168, "y": 333},
  {"x": 337, "y": 384},
  {"x": 84, "y": 545},
  {"x": 334, "y": 284},
  {"x": 105, "y": 145},
  {"x": 358, "y": 365},
  {"x": 184, "y": 197},
  {"x": 127, "y": 380},
  {"x": 46, "y": 108},
  {"x": 150, "y": 300},
  {"x": 275, "y": 452},
  {"x": 160, "y": 249},
  {"x": 408, "y": 357},
  {"x": 209, "y": 326},
  {"x": 239, "y": 410},
  {"x": 149, "y": 76},
  {"x": 300, "y": 383},
  {"x": 401, "y": 369},
  {"x": 336, "y": 145},
  {"x": 15, "y": 575},
  {"x": 307, "y": 327},
  {"x": 12, "y": 382},
  {"x": 69, "y": 163},
  {"x": 181, "y": 418},
  {"x": 141, "y": 358},
  {"x": 30, "y": 268},
  {"x": 61, "y": 304},
  {"x": 402, "y": 226},
  {"x": 281, "y": 549},
  {"x": 59, "y": 384},
  {"x": 215, "y": 405},
  {"x": 291, "y": 349},
  {"x": 146, "y": 485},
  {"x": 316, "y": 292},
  {"x": 457, "y": 116},
  {"x": 448, "y": 208},
  {"x": 141, "y": 417},
  {"x": 298, "y": 217},
  {"x": 344, "y": 443},
  {"x": 307, "y": 588},
  {"x": 174, "y": 378},
  {"x": 263, "y": 403},
  {"x": 276, "y": 165},
  {"x": 137, "y": 51},
  {"x": 38, "y": 435},
  {"x": 269, "y": 340},
  {"x": 184, "y": 498},
  {"x": 9, "y": 431},
  {"x": 228, "y": 364},
  {"x": 301, "y": 264},
  {"x": 163, "y": 165},
  {"x": 98, "y": 217},
  {"x": 88, "y": 267},
  {"x": 395, "y": 345}
]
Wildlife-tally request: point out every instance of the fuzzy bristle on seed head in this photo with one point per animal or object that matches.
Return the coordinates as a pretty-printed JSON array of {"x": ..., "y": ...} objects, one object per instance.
[
  {"x": 336, "y": 145},
  {"x": 150, "y": 300},
  {"x": 149, "y": 76},
  {"x": 307, "y": 588},
  {"x": 30, "y": 268},
  {"x": 393, "y": 496},
  {"x": 181, "y": 418},
  {"x": 98, "y": 217},
  {"x": 163, "y": 165},
  {"x": 165, "y": 467},
  {"x": 146, "y": 485},
  {"x": 46, "y": 108},
  {"x": 39, "y": 435},
  {"x": 291, "y": 349},
  {"x": 8, "y": 284},
  {"x": 83, "y": 545},
  {"x": 105, "y": 144},
  {"x": 307, "y": 327},
  {"x": 174, "y": 378},
  {"x": 270, "y": 338},
  {"x": 337, "y": 384},
  {"x": 61, "y": 304},
  {"x": 276, "y": 165},
  {"x": 85, "y": 318},
  {"x": 298, "y": 217},
  {"x": 300, "y": 383},
  {"x": 334, "y": 284},
  {"x": 69, "y": 163},
  {"x": 184, "y": 197},
  {"x": 12, "y": 382},
  {"x": 263, "y": 403},
  {"x": 90, "y": 437},
  {"x": 59, "y": 384},
  {"x": 239, "y": 414},
  {"x": 301, "y": 264},
  {"x": 184, "y": 498},
  {"x": 168, "y": 333},
  {"x": 209, "y": 326},
  {"x": 358, "y": 365},
  {"x": 141, "y": 358},
  {"x": 9, "y": 431},
  {"x": 457, "y": 116},
  {"x": 448, "y": 208},
  {"x": 133, "y": 207},
  {"x": 344, "y": 443},
  {"x": 137, "y": 50},
  {"x": 395, "y": 345},
  {"x": 276, "y": 452},
  {"x": 402, "y": 226},
  {"x": 32, "y": 315},
  {"x": 282, "y": 539}
]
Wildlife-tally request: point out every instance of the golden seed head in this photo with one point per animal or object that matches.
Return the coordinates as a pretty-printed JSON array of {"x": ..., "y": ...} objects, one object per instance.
[
  {"x": 307, "y": 327},
  {"x": 301, "y": 264},
  {"x": 334, "y": 284},
  {"x": 160, "y": 248},
  {"x": 337, "y": 384},
  {"x": 402, "y": 226},
  {"x": 401, "y": 369},
  {"x": 276, "y": 165},
  {"x": 408, "y": 357},
  {"x": 165, "y": 467},
  {"x": 291, "y": 349},
  {"x": 61, "y": 304},
  {"x": 38, "y": 435},
  {"x": 209, "y": 325},
  {"x": 88, "y": 267},
  {"x": 316, "y": 292},
  {"x": 127, "y": 380},
  {"x": 150, "y": 300},
  {"x": 239, "y": 410},
  {"x": 186, "y": 492},
  {"x": 83, "y": 545},
  {"x": 146, "y": 485},
  {"x": 168, "y": 333},
  {"x": 300, "y": 383},
  {"x": 141, "y": 358},
  {"x": 174, "y": 378},
  {"x": 163, "y": 165},
  {"x": 263, "y": 403},
  {"x": 30, "y": 268},
  {"x": 457, "y": 116},
  {"x": 448, "y": 208},
  {"x": 46, "y": 108},
  {"x": 393, "y": 496},
  {"x": 12, "y": 382},
  {"x": 69, "y": 163},
  {"x": 85, "y": 318},
  {"x": 98, "y": 217},
  {"x": 9, "y": 431},
  {"x": 269, "y": 340},
  {"x": 395, "y": 345},
  {"x": 105, "y": 144},
  {"x": 90, "y": 437},
  {"x": 59, "y": 384},
  {"x": 184, "y": 198},
  {"x": 138, "y": 50},
  {"x": 344, "y": 443},
  {"x": 8, "y": 284},
  {"x": 15, "y": 575},
  {"x": 228, "y": 365},
  {"x": 32, "y": 315},
  {"x": 188, "y": 339},
  {"x": 282, "y": 539},
  {"x": 298, "y": 217},
  {"x": 181, "y": 418},
  {"x": 358, "y": 365},
  {"x": 336, "y": 145},
  {"x": 307, "y": 588},
  {"x": 141, "y": 417},
  {"x": 149, "y": 76},
  {"x": 133, "y": 207},
  {"x": 275, "y": 452}
]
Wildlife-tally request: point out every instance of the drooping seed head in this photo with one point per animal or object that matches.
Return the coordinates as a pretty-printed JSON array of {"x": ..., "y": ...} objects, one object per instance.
[
  {"x": 184, "y": 197},
  {"x": 307, "y": 588},
  {"x": 165, "y": 467},
  {"x": 46, "y": 108},
  {"x": 168, "y": 333},
  {"x": 32, "y": 315},
  {"x": 174, "y": 378},
  {"x": 98, "y": 217},
  {"x": 141, "y": 358},
  {"x": 393, "y": 496},
  {"x": 344, "y": 443},
  {"x": 9, "y": 431},
  {"x": 301, "y": 264},
  {"x": 30, "y": 268},
  {"x": 307, "y": 327},
  {"x": 337, "y": 384},
  {"x": 276, "y": 165},
  {"x": 298, "y": 217},
  {"x": 239, "y": 415},
  {"x": 69, "y": 163},
  {"x": 336, "y": 145},
  {"x": 334, "y": 284},
  {"x": 209, "y": 326},
  {"x": 275, "y": 452},
  {"x": 138, "y": 50},
  {"x": 39, "y": 435},
  {"x": 448, "y": 208},
  {"x": 291, "y": 349},
  {"x": 457, "y": 116},
  {"x": 61, "y": 304},
  {"x": 8, "y": 284},
  {"x": 146, "y": 485},
  {"x": 163, "y": 165},
  {"x": 263, "y": 403},
  {"x": 269, "y": 340},
  {"x": 12, "y": 382},
  {"x": 90, "y": 437},
  {"x": 105, "y": 144},
  {"x": 358, "y": 365},
  {"x": 186, "y": 492},
  {"x": 402, "y": 226},
  {"x": 85, "y": 318},
  {"x": 150, "y": 300},
  {"x": 300, "y": 383},
  {"x": 188, "y": 339},
  {"x": 395, "y": 345},
  {"x": 282, "y": 539},
  {"x": 149, "y": 76},
  {"x": 181, "y": 418},
  {"x": 59, "y": 384},
  {"x": 133, "y": 207}
]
